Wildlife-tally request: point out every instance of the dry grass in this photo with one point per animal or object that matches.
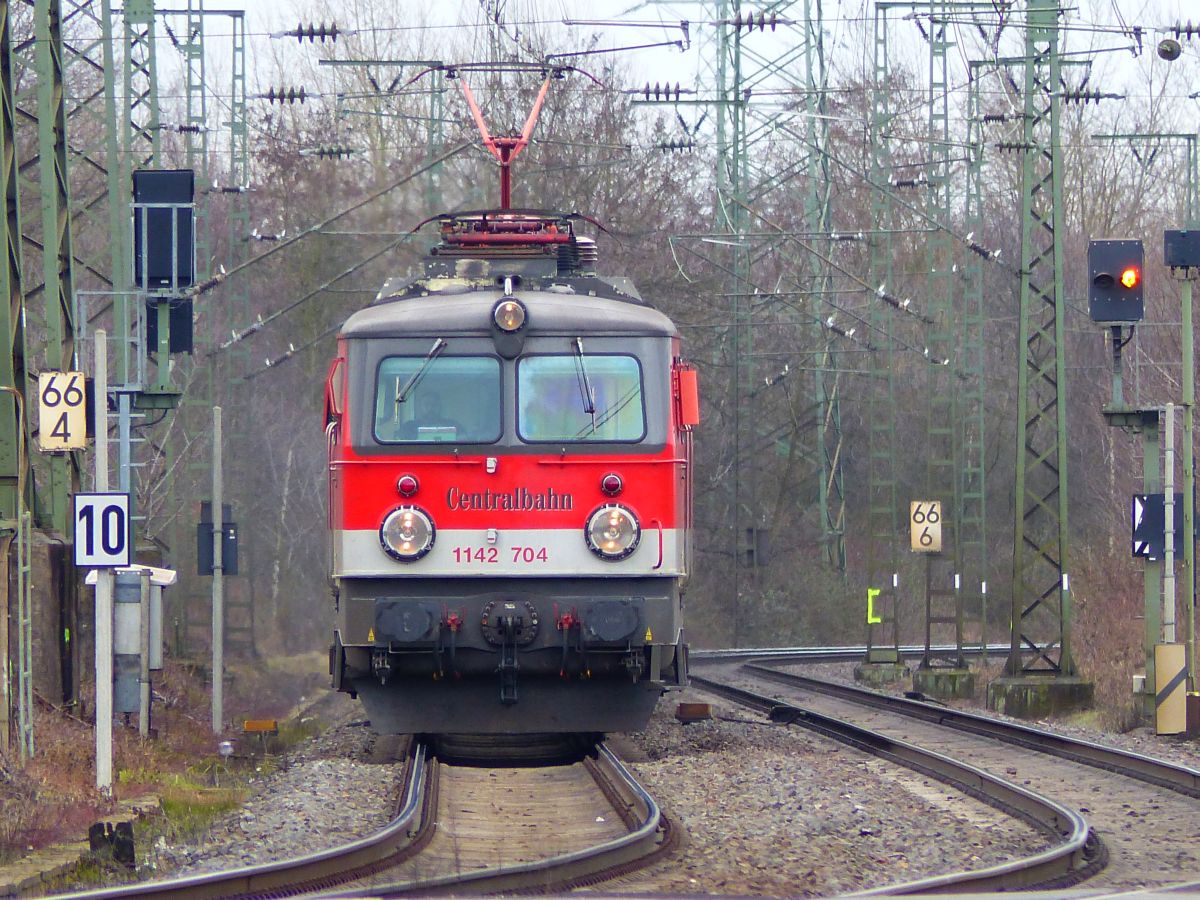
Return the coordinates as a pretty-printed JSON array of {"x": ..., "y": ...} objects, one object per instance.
[
  {"x": 53, "y": 798},
  {"x": 1106, "y": 636}
]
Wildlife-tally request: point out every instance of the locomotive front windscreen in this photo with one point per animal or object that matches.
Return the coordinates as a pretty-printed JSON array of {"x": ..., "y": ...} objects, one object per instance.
[
  {"x": 580, "y": 398},
  {"x": 447, "y": 398}
]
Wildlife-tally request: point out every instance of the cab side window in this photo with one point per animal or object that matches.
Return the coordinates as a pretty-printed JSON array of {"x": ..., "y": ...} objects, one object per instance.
[
  {"x": 590, "y": 398},
  {"x": 454, "y": 399}
]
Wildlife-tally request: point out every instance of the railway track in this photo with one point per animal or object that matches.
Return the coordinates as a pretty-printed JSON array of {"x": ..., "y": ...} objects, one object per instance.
[
  {"x": 1140, "y": 812},
  {"x": 479, "y": 829},
  {"x": 830, "y": 654},
  {"x": 545, "y": 828}
]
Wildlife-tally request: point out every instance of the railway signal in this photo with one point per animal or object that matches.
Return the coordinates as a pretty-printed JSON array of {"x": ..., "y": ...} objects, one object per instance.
[{"x": 1115, "y": 281}]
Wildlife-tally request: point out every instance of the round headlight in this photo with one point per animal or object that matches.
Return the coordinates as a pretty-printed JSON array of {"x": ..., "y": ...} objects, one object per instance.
[
  {"x": 406, "y": 534},
  {"x": 612, "y": 532},
  {"x": 509, "y": 315}
]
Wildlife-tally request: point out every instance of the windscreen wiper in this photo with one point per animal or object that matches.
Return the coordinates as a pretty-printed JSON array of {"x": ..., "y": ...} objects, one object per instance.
[
  {"x": 585, "y": 386},
  {"x": 438, "y": 346}
]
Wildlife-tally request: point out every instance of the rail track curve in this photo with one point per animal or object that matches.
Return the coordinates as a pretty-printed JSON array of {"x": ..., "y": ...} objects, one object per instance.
[{"x": 1138, "y": 807}]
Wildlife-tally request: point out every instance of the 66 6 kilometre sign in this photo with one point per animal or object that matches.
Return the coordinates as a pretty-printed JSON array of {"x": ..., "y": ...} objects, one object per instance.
[{"x": 925, "y": 526}]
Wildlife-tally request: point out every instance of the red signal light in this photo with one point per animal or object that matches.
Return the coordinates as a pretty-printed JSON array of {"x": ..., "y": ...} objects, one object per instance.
[
  {"x": 1131, "y": 276},
  {"x": 611, "y": 484}
]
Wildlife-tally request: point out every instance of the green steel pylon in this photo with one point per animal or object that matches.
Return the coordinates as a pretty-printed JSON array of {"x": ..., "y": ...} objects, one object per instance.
[
  {"x": 831, "y": 497},
  {"x": 942, "y": 602},
  {"x": 240, "y": 613},
  {"x": 749, "y": 178},
  {"x": 57, "y": 255},
  {"x": 742, "y": 185},
  {"x": 40, "y": 62},
  {"x": 971, "y": 549},
  {"x": 883, "y": 524},
  {"x": 14, "y": 447},
  {"x": 191, "y": 612},
  {"x": 141, "y": 133},
  {"x": 188, "y": 458},
  {"x": 732, "y": 220},
  {"x": 1041, "y": 598}
]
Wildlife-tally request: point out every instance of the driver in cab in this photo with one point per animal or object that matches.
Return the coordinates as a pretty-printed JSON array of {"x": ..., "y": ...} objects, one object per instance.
[{"x": 430, "y": 422}]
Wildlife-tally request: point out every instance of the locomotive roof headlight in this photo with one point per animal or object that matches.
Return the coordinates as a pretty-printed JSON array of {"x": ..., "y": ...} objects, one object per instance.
[
  {"x": 407, "y": 533},
  {"x": 509, "y": 315},
  {"x": 407, "y": 485},
  {"x": 612, "y": 532},
  {"x": 611, "y": 484}
]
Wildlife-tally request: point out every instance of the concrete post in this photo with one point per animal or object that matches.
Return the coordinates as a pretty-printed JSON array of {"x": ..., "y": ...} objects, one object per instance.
[
  {"x": 104, "y": 589},
  {"x": 144, "y": 671},
  {"x": 218, "y": 596},
  {"x": 1168, "y": 601}
]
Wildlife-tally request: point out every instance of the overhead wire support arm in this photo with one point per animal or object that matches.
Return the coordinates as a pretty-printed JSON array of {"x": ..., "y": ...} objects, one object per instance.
[
  {"x": 1193, "y": 157},
  {"x": 682, "y": 45}
]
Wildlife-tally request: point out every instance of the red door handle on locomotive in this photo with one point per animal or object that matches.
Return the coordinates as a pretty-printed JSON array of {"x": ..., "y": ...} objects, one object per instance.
[{"x": 658, "y": 524}]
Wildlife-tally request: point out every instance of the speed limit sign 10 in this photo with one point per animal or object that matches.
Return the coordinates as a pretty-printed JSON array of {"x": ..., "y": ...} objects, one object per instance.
[
  {"x": 102, "y": 530},
  {"x": 925, "y": 526},
  {"x": 62, "y": 411}
]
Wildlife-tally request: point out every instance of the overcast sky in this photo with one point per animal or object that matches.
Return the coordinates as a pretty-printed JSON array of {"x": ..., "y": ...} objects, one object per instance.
[
  {"x": 1092, "y": 26},
  {"x": 842, "y": 20}
]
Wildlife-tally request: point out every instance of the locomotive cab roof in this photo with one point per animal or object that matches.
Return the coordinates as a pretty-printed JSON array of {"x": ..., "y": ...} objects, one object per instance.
[{"x": 554, "y": 309}]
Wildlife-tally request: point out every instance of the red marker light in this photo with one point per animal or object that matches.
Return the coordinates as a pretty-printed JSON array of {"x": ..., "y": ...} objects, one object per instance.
[
  {"x": 407, "y": 485},
  {"x": 611, "y": 484},
  {"x": 1130, "y": 276}
]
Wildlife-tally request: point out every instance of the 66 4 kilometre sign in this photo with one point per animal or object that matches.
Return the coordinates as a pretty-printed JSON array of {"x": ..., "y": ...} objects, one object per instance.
[{"x": 62, "y": 411}]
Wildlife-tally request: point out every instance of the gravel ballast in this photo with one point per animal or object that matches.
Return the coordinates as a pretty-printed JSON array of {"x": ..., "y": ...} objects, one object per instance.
[
  {"x": 335, "y": 788},
  {"x": 775, "y": 811}
]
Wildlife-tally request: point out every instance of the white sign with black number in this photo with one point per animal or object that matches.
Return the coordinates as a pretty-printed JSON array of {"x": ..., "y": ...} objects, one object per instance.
[
  {"x": 62, "y": 412},
  {"x": 102, "y": 530},
  {"x": 925, "y": 526}
]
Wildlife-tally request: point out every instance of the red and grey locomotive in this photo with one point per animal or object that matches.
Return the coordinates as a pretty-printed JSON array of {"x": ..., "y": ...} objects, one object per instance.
[{"x": 509, "y": 490}]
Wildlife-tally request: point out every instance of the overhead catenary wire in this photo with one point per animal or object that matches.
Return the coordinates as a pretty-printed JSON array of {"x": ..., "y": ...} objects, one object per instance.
[
  {"x": 325, "y": 223},
  {"x": 262, "y": 323}
]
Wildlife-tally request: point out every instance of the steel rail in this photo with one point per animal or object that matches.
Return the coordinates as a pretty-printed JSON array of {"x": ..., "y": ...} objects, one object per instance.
[
  {"x": 1179, "y": 778},
  {"x": 322, "y": 868},
  {"x": 651, "y": 836},
  {"x": 827, "y": 654},
  {"x": 1075, "y": 855}
]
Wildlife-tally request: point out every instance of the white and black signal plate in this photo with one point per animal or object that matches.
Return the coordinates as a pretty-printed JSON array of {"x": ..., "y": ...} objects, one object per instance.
[{"x": 102, "y": 530}]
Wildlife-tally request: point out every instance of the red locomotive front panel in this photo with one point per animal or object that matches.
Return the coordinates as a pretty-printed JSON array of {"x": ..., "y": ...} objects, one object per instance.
[
  {"x": 513, "y": 514},
  {"x": 509, "y": 466}
]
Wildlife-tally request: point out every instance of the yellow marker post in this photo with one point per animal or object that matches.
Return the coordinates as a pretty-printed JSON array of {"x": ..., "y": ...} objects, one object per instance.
[
  {"x": 873, "y": 619},
  {"x": 371, "y": 636},
  {"x": 649, "y": 636}
]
